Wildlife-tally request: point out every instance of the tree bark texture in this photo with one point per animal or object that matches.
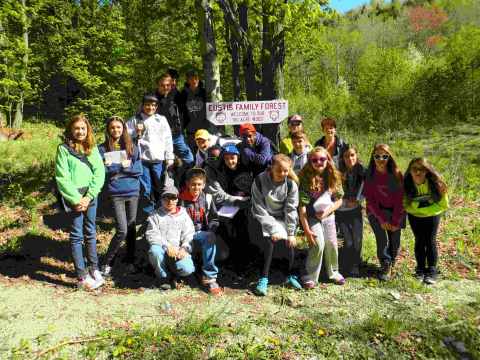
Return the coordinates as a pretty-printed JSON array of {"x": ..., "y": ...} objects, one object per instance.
[{"x": 17, "y": 124}]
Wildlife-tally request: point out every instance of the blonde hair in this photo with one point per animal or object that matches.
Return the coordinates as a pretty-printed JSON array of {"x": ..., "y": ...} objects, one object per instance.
[
  {"x": 88, "y": 144},
  {"x": 285, "y": 159}
]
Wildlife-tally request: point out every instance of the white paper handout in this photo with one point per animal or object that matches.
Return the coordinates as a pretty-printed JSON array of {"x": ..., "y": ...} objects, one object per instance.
[
  {"x": 283, "y": 230},
  {"x": 228, "y": 211},
  {"x": 115, "y": 157},
  {"x": 323, "y": 202}
]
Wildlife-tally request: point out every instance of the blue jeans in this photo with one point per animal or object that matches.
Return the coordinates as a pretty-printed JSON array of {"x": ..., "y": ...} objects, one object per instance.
[
  {"x": 209, "y": 250},
  {"x": 82, "y": 229},
  {"x": 150, "y": 181},
  {"x": 125, "y": 208},
  {"x": 159, "y": 259},
  {"x": 181, "y": 149}
]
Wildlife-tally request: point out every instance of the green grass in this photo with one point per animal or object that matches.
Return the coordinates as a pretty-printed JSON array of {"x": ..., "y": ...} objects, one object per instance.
[{"x": 358, "y": 321}]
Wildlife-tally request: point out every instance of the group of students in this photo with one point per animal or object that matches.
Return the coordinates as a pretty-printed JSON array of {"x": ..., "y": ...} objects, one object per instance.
[{"x": 323, "y": 187}]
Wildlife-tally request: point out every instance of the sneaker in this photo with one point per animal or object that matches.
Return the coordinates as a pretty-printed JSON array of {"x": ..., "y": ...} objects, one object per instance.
[
  {"x": 106, "y": 271},
  {"x": 87, "y": 284},
  {"x": 309, "y": 285},
  {"x": 340, "y": 282},
  {"x": 292, "y": 280},
  {"x": 99, "y": 280},
  {"x": 431, "y": 276},
  {"x": 211, "y": 285},
  {"x": 419, "y": 275},
  {"x": 164, "y": 284},
  {"x": 383, "y": 276},
  {"x": 262, "y": 287}
]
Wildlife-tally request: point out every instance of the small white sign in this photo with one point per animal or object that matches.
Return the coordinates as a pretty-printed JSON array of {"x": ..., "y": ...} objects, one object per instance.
[
  {"x": 253, "y": 112},
  {"x": 115, "y": 157}
]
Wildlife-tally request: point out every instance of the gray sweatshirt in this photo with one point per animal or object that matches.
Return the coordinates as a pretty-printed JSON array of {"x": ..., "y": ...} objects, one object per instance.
[
  {"x": 300, "y": 160},
  {"x": 156, "y": 144},
  {"x": 271, "y": 204},
  {"x": 167, "y": 229}
]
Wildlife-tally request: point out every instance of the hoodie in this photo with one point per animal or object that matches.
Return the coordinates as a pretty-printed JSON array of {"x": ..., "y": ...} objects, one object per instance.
[
  {"x": 257, "y": 157},
  {"x": 155, "y": 144},
  {"x": 353, "y": 185},
  {"x": 194, "y": 111},
  {"x": 300, "y": 160},
  {"x": 273, "y": 203},
  {"x": 122, "y": 181},
  {"x": 201, "y": 210},
  {"x": 167, "y": 229}
]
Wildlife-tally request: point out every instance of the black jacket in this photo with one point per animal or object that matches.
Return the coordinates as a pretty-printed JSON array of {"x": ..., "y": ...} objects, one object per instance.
[
  {"x": 340, "y": 148},
  {"x": 192, "y": 105}
]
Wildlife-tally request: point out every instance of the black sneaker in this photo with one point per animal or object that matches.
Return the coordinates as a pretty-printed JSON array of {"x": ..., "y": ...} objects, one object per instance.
[
  {"x": 419, "y": 275},
  {"x": 383, "y": 276},
  {"x": 431, "y": 276}
]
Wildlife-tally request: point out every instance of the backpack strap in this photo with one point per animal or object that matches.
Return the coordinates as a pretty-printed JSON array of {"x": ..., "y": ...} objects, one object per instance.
[{"x": 80, "y": 156}]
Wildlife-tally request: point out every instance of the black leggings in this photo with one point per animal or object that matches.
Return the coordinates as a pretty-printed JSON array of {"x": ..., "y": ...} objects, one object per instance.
[
  {"x": 425, "y": 231},
  {"x": 266, "y": 245}
]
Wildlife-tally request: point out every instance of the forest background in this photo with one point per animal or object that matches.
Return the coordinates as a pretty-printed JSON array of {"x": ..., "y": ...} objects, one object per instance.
[{"x": 396, "y": 65}]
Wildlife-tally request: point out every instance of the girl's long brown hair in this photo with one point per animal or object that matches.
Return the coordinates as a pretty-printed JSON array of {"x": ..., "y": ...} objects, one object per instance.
[
  {"x": 88, "y": 144},
  {"x": 392, "y": 167},
  {"x": 437, "y": 185},
  {"x": 285, "y": 159},
  {"x": 316, "y": 182},
  {"x": 125, "y": 140}
]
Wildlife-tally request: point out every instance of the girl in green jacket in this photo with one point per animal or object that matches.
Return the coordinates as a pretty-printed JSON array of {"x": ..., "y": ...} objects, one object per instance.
[
  {"x": 80, "y": 173},
  {"x": 425, "y": 199}
]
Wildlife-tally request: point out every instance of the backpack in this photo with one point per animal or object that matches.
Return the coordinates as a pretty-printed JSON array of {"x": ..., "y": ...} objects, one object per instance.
[{"x": 61, "y": 202}]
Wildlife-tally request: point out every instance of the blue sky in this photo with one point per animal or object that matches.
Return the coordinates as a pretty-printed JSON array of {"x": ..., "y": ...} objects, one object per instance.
[{"x": 345, "y": 5}]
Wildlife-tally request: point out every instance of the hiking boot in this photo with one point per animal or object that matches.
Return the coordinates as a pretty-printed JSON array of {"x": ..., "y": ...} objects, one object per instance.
[
  {"x": 262, "y": 287},
  {"x": 419, "y": 275},
  {"x": 292, "y": 280},
  {"x": 384, "y": 272},
  {"x": 355, "y": 270},
  {"x": 99, "y": 280},
  {"x": 106, "y": 271},
  {"x": 87, "y": 284},
  {"x": 431, "y": 276},
  {"x": 211, "y": 285}
]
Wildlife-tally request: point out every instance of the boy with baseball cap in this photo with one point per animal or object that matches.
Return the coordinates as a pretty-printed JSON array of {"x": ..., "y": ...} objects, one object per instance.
[
  {"x": 294, "y": 123},
  {"x": 204, "y": 140},
  {"x": 170, "y": 234}
]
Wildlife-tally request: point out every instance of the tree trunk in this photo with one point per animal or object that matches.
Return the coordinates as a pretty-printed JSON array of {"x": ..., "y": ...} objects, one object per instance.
[
  {"x": 209, "y": 52},
  {"x": 273, "y": 56},
  {"x": 17, "y": 124},
  {"x": 248, "y": 61},
  {"x": 4, "y": 94}
]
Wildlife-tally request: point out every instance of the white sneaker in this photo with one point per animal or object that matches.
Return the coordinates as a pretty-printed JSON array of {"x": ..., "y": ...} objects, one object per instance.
[
  {"x": 87, "y": 284},
  {"x": 99, "y": 280}
]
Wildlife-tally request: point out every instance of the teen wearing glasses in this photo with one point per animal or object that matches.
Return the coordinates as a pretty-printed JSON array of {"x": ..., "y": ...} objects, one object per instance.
[
  {"x": 425, "y": 199},
  {"x": 384, "y": 194},
  {"x": 170, "y": 234},
  {"x": 320, "y": 195}
]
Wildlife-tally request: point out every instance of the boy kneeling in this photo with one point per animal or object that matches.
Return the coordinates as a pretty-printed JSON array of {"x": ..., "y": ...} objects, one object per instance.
[
  {"x": 202, "y": 211},
  {"x": 170, "y": 232}
]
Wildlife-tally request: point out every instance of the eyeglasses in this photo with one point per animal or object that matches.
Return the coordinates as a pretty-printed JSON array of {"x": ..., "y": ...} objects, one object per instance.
[
  {"x": 319, "y": 160},
  {"x": 381, "y": 156},
  {"x": 423, "y": 168},
  {"x": 169, "y": 197}
]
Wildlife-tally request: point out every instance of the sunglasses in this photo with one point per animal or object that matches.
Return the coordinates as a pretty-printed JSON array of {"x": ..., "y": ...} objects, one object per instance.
[
  {"x": 214, "y": 157},
  {"x": 318, "y": 160},
  {"x": 423, "y": 168},
  {"x": 169, "y": 197},
  {"x": 381, "y": 156}
]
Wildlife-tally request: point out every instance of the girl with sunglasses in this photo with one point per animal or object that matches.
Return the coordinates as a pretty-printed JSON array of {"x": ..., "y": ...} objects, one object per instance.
[
  {"x": 320, "y": 195},
  {"x": 349, "y": 216},
  {"x": 384, "y": 194},
  {"x": 123, "y": 190},
  {"x": 425, "y": 199}
]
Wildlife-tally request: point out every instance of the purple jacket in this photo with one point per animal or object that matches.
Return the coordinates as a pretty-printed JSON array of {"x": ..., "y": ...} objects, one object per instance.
[{"x": 259, "y": 156}]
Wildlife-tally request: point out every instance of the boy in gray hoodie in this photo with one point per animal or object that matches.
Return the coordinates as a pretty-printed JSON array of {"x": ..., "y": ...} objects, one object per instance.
[
  {"x": 301, "y": 149},
  {"x": 170, "y": 233}
]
